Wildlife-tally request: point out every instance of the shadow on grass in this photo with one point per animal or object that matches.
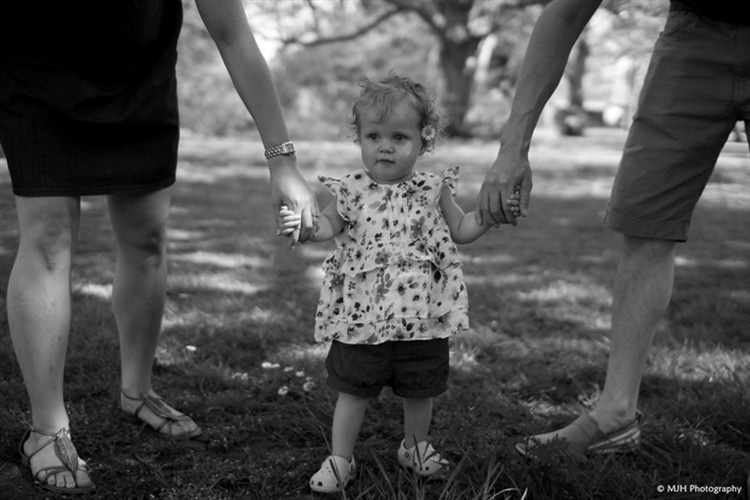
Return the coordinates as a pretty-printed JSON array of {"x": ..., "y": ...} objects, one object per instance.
[{"x": 237, "y": 351}]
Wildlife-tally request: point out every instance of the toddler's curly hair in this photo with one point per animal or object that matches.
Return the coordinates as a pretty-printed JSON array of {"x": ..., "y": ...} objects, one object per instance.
[{"x": 383, "y": 94}]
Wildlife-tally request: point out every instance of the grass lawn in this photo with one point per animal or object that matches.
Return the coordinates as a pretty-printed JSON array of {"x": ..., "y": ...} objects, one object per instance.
[{"x": 237, "y": 351}]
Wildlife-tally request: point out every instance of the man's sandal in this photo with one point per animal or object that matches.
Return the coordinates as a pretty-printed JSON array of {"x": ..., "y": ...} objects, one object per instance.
[
  {"x": 156, "y": 405},
  {"x": 67, "y": 455},
  {"x": 585, "y": 438}
]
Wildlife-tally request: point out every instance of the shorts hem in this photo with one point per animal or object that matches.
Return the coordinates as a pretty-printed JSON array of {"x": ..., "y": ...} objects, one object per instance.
[
  {"x": 642, "y": 228},
  {"x": 360, "y": 392},
  {"x": 421, "y": 393},
  {"x": 374, "y": 391}
]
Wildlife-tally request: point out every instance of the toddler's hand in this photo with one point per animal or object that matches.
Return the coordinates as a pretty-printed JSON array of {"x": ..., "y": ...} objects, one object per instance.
[
  {"x": 288, "y": 224},
  {"x": 515, "y": 204}
]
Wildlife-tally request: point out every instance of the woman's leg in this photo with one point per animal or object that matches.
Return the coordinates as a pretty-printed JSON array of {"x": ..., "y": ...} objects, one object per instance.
[
  {"x": 39, "y": 318},
  {"x": 138, "y": 296}
]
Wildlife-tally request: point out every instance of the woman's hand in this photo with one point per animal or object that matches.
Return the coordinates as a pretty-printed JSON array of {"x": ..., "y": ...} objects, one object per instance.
[{"x": 290, "y": 189}]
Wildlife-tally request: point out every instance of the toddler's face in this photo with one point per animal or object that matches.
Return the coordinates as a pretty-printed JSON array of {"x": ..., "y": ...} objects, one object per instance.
[{"x": 391, "y": 146}]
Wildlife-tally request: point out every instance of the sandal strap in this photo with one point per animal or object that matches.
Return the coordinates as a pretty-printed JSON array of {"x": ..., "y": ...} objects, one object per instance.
[
  {"x": 53, "y": 470},
  {"x": 158, "y": 407},
  {"x": 64, "y": 451}
]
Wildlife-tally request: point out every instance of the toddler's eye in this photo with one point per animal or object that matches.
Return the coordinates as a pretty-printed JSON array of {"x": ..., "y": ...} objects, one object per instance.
[{"x": 400, "y": 137}]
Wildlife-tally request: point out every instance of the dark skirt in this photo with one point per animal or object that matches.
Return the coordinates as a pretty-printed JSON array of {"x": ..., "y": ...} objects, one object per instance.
[{"x": 88, "y": 95}]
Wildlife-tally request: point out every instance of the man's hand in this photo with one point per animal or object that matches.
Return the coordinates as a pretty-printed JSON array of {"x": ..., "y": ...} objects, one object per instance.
[{"x": 505, "y": 178}]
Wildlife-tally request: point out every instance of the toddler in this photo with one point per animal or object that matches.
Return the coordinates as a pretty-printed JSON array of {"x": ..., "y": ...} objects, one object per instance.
[{"x": 393, "y": 291}]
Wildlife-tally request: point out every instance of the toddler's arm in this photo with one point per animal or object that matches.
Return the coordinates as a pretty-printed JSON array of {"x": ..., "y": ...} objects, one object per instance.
[{"x": 464, "y": 227}]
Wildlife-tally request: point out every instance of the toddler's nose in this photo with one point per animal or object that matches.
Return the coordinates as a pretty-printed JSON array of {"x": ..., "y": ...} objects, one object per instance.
[{"x": 386, "y": 147}]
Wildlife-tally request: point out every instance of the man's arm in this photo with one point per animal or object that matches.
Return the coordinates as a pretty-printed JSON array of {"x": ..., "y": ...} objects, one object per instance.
[{"x": 554, "y": 35}]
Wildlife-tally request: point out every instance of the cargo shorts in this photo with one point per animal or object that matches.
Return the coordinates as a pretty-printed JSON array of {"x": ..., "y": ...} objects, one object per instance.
[{"x": 695, "y": 91}]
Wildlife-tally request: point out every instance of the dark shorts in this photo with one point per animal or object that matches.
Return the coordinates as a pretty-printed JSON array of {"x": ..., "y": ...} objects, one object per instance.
[
  {"x": 413, "y": 369},
  {"x": 696, "y": 89}
]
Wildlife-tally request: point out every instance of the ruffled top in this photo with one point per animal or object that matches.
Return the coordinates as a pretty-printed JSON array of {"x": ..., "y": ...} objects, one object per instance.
[{"x": 395, "y": 273}]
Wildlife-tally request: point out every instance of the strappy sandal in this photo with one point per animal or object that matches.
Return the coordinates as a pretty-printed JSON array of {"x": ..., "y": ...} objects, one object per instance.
[
  {"x": 156, "y": 405},
  {"x": 67, "y": 455}
]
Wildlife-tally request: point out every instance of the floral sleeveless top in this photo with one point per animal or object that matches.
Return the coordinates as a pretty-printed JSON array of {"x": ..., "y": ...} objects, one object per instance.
[{"x": 395, "y": 273}]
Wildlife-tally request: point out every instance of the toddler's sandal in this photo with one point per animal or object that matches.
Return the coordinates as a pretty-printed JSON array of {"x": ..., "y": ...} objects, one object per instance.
[
  {"x": 422, "y": 459},
  {"x": 334, "y": 474}
]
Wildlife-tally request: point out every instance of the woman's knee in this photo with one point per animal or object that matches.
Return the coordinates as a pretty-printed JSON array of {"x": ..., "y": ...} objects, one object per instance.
[
  {"x": 54, "y": 246},
  {"x": 48, "y": 236},
  {"x": 140, "y": 224},
  {"x": 148, "y": 244}
]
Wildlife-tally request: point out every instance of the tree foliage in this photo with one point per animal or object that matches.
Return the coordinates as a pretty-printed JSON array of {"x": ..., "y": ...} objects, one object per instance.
[
  {"x": 454, "y": 29},
  {"x": 468, "y": 51}
]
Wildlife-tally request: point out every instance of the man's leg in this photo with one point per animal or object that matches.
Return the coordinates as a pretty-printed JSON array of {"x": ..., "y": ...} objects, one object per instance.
[{"x": 642, "y": 290}]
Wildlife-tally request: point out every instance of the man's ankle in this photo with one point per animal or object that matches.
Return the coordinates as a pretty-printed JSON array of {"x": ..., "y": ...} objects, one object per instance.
[{"x": 610, "y": 419}]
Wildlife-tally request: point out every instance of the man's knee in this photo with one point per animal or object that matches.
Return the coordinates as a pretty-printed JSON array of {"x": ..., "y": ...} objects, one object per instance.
[
  {"x": 646, "y": 260},
  {"x": 647, "y": 248}
]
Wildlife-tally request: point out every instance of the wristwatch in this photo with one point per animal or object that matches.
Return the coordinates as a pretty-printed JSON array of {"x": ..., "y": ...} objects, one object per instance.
[{"x": 285, "y": 148}]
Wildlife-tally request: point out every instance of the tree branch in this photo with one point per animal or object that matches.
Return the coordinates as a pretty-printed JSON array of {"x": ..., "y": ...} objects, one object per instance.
[
  {"x": 314, "y": 10},
  {"x": 346, "y": 36},
  {"x": 425, "y": 10}
]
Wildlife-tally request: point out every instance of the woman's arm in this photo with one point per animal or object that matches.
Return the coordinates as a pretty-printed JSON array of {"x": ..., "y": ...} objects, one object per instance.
[{"x": 227, "y": 24}]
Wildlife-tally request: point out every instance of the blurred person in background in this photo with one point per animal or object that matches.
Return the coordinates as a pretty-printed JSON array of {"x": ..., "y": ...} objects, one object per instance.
[
  {"x": 88, "y": 106},
  {"x": 697, "y": 88}
]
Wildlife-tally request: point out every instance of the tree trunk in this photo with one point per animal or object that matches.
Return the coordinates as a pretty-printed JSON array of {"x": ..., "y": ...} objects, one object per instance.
[
  {"x": 449, "y": 19},
  {"x": 575, "y": 71},
  {"x": 459, "y": 80}
]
